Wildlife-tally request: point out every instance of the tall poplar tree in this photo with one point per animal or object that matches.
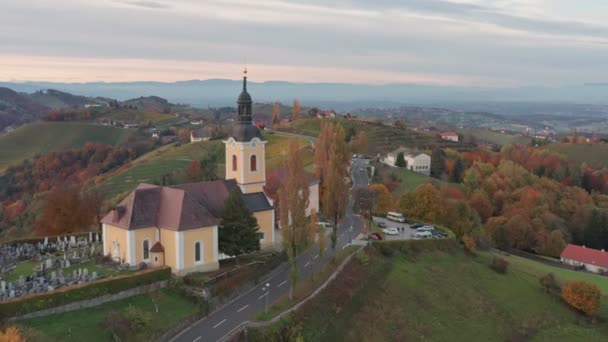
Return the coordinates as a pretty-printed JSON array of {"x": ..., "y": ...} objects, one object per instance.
[
  {"x": 296, "y": 109},
  {"x": 276, "y": 115},
  {"x": 294, "y": 199}
]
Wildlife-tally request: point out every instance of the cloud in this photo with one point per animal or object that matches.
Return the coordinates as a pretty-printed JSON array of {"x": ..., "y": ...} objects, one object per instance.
[{"x": 470, "y": 41}]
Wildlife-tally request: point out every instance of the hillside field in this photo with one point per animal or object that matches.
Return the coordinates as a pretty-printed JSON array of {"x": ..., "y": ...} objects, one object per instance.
[
  {"x": 497, "y": 137},
  {"x": 37, "y": 138},
  {"x": 595, "y": 155},
  {"x": 381, "y": 139},
  {"x": 151, "y": 166},
  {"x": 437, "y": 296}
]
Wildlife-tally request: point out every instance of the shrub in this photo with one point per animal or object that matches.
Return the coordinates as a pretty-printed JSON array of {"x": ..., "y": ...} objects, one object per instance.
[
  {"x": 582, "y": 296},
  {"x": 500, "y": 265},
  {"x": 23, "y": 305},
  {"x": 469, "y": 244},
  {"x": 139, "y": 319},
  {"x": 549, "y": 283},
  {"x": 117, "y": 325},
  {"x": 11, "y": 334}
]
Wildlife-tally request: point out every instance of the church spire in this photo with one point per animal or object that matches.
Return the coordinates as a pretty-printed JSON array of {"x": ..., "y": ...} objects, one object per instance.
[{"x": 244, "y": 102}]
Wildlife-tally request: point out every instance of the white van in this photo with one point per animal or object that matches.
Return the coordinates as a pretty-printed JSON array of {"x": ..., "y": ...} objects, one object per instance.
[
  {"x": 422, "y": 235},
  {"x": 393, "y": 216},
  {"x": 425, "y": 228}
]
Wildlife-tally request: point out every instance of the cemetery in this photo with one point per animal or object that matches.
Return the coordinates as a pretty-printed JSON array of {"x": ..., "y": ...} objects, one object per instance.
[{"x": 38, "y": 267}]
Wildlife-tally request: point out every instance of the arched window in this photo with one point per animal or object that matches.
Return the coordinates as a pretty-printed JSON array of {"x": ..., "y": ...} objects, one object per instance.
[
  {"x": 254, "y": 163},
  {"x": 146, "y": 250},
  {"x": 233, "y": 162},
  {"x": 197, "y": 252}
]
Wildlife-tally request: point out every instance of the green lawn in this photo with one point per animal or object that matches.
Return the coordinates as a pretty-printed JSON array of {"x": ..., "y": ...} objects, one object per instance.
[
  {"x": 592, "y": 154},
  {"x": 539, "y": 269},
  {"x": 40, "y": 137},
  {"x": 409, "y": 180},
  {"x": 497, "y": 137},
  {"x": 438, "y": 296},
  {"x": 85, "y": 325}
]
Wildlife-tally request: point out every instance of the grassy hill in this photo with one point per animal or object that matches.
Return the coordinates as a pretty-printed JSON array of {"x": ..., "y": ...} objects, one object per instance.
[
  {"x": 438, "y": 296},
  {"x": 37, "y": 138},
  {"x": 595, "y": 155},
  {"x": 138, "y": 116},
  {"x": 151, "y": 166},
  {"x": 496, "y": 137},
  {"x": 382, "y": 139}
]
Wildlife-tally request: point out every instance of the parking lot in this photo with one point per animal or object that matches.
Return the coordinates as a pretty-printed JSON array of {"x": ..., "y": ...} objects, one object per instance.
[
  {"x": 404, "y": 229},
  {"x": 405, "y": 232}
]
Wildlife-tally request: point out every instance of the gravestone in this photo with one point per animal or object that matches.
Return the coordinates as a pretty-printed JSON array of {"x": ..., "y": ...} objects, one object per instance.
[
  {"x": 46, "y": 241},
  {"x": 74, "y": 274},
  {"x": 53, "y": 276},
  {"x": 94, "y": 275},
  {"x": 90, "y": 237},
  {"x": 50, "y": 288},
  {"x": 62, "y": 280},
  {"x": 2, "y": 285},
  {"x": 49, "y": 263},
  {"x": 21, "y": 281},
  {"x": 67, "y": 263},
  {"x": 72, "y": 241},
  {"x": 85, "y": 272},
  {"x": 11, "y": 294}
]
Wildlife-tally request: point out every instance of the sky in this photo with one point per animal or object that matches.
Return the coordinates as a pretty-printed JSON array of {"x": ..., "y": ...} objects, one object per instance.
[{"x": 489, "y": 43}]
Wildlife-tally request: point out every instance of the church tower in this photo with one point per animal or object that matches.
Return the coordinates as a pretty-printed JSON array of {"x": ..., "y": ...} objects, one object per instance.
[{"x": 246, "y": 148}]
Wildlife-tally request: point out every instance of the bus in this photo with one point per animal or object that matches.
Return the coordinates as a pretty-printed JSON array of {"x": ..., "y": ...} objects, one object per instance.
[{"x": 393, "y": 216}]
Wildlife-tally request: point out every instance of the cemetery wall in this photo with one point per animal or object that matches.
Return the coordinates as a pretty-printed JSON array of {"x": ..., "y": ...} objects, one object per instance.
[{"x": 86, "y": 295}]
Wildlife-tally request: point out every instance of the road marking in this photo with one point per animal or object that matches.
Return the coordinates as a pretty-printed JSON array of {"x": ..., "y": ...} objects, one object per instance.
[
  {"x": 243, "y": 308},
  {"x": 283, "y": 283},
  {"x": 262, "y": 296},
  {"x": 306, "y": 264},
  {"x": 316, "y": 256},
  {"x": 220, "y": 323},
  {"x": 198, "y": 338}
]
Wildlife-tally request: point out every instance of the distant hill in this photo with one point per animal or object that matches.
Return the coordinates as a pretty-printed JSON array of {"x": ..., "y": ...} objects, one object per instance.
[
  {"x": 17, "y": 108},
  {"x": 149, "y": 104},
  {"x": 37, "y": 138},
  {"x": 221, "y": 92},
  {"x": 57, "y": 99}
]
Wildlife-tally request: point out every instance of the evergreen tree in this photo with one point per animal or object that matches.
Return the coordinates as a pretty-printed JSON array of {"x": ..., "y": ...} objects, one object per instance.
[
  {"x": 400, "y": 162},
  {"x": 238, "y": 229},
  {"x": 457, "y": 172},
  {"x": 437, "y": 163}
]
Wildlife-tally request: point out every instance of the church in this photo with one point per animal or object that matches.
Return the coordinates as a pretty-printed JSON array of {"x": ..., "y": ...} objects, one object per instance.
[{"x": 177, "y": 225}]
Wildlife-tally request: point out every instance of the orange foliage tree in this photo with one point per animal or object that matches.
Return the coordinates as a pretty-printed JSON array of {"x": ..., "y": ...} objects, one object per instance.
[
  {"x": 11, "y": 334},
  {"x": 296, "y": 109},
  {"x": 68, "y": 209},
  {"x": 582, "y": 296},
  {"x": 384, "y": 200}
]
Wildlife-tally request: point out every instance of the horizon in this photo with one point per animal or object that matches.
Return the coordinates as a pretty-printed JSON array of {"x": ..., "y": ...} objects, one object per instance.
[{"x": 482, "y": 43}]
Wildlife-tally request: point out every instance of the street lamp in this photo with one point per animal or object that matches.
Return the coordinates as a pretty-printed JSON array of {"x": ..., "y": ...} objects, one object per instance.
[{"x": 266, "y": 289}]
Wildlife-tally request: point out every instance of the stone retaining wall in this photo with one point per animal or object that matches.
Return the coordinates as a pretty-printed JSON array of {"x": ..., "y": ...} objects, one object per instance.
[{"x": 88, "y": 303}]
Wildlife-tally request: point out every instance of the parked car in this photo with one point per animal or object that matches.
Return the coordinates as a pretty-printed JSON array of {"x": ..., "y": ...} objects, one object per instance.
[
  {"x": 374, "y": 236},
  {"x": 382, "y": 224},
  {"x": 422, "y": 235},
  {"x": 416, "y": 225},
  {"x": 390, "y": 231},
  {"x": 425, "y": 228},
  {"x": 325, "y": 224}
]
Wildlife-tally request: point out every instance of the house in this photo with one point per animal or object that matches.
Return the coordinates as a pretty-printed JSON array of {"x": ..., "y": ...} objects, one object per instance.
[
  {"x": 451, "y": 136},
  {"x": 592, "y": 259},
  {"x": 275, "y": 179},
  {"x": 196, "y": 122},
  {"x": 167, "y": 139},
  {"x": 415, "y": 161},
  {"x": 178, "y": 225},
  {"x": 198, "y": 135}
]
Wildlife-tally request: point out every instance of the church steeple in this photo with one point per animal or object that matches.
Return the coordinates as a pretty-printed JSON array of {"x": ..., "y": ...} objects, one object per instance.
[{"x": 244, "y": 102}]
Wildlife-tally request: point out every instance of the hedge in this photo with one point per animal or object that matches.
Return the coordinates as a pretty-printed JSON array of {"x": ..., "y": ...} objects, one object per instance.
[
  {"x": 414, "y": 247},
  {"x": 23, "y": 305}
]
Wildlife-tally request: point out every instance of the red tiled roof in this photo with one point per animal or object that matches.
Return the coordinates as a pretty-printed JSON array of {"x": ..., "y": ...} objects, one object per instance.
[
  {"x": 449, "y": 134},
  {"x": 157, "y": 248},
  {"x": 585, "y": 255},
  {"x": 179, "y": 207}
]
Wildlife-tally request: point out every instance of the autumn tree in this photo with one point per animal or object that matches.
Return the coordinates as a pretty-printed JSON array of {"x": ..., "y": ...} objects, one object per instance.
[
  {"x": 183, "y": 135},
  {"x": 469, "y": 244},
  {"x": 400, "y": 161},
  {"x": 335, "y": 191},
  {"x": 238, "y": 228},
  {"x": 194, "y": 172},
  {"x": 294, "y": 199},
  {"x": 67, "y": 209},
  {"x": 457, "y": 172},
  {"x": 583, "y": 296},
  {"x": 424, "y": 203},
  {"x": 384, "y": 200},
  {"x": 359, "y": 143},
  {"x": 296, "y": 109},
  {"x": 554, "y": 244},
  {"x": 276, "y": 115},
  {"x": 11, "y": 334}
]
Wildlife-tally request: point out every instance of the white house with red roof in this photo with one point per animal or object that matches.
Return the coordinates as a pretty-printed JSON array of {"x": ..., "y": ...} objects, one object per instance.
[
  {"x": 594, "y": 260},
  {"x": 451, "y": 136}
]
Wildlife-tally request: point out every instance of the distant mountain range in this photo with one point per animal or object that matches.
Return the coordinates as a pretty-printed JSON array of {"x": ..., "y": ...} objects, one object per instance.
[{"x": 220, "y": 92}]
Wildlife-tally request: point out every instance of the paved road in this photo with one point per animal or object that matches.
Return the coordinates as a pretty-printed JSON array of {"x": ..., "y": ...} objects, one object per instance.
[{"x": 247, "y": 306}]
